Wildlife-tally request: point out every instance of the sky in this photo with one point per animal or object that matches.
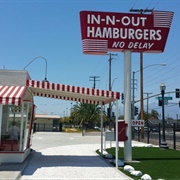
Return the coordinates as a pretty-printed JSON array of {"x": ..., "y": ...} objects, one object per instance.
[{"x": 51, "y": 29}]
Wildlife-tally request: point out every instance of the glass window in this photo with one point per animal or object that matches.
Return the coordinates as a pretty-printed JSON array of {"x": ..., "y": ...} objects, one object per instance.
[{"x": 15, "y": 127}]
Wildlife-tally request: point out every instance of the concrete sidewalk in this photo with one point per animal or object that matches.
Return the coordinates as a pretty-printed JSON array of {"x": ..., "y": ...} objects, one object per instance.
[
  {"x": 71, "y": 162},
  {"x": 13, "y": 171},
  {"x": 77, "y": 161}
]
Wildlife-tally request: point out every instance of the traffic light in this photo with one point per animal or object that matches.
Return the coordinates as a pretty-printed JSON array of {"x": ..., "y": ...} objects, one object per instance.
[
  {"x": 160, "y": 103},
  {"x": 136, "y": 111},
  {"x": 122, "y": 96},
  {"x": 177, "y": 93},
  {"x": 108, "y": 112},
  {"x": 179, "y": 103}
]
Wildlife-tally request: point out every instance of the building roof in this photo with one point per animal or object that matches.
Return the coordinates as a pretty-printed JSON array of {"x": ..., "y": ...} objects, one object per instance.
[
  {"x": 12, "y": 94},
  {"x": 46, "y": 116}
]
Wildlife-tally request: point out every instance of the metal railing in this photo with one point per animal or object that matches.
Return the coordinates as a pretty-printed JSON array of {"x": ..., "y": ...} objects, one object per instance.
[{"x": 153, "y": 135}]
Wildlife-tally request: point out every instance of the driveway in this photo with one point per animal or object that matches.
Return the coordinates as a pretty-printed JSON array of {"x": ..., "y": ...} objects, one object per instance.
[{"x": 68, "y": 156}]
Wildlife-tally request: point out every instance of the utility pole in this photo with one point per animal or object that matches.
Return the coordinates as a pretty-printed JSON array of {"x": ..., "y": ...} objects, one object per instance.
[
  {"x": 141, "y": 11},
  {"x": 110, "y": 89},
  {"x": 94, "y": 78},
  {"x": 141, "y": 93},
  {"x": 147, "y": 120},
  {"x": 147, "y": 95},
  {"x": 133, "y": 94}
]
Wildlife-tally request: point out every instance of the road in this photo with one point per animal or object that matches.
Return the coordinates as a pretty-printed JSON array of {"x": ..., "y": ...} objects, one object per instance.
[{"x": 154, "y": 139}]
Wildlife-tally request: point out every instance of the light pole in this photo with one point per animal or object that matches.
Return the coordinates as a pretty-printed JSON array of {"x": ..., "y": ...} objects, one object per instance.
[
  {"x": 141, "y": 93},
  {"x": 113, "y": 82},
  {"x": 45, "y": 79},
  {"x": 147, "y": 105},
  {"x": 71, "y": 106},
  {"x": 163, "y": 142}
]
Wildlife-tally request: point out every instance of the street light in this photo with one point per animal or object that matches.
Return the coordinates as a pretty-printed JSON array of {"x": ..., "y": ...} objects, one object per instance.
[
  {"x": 141, "y": 93},
  {"x": 45, "y": 79},
  {"x": 163, "y": 142},
  {"x": 113, "y": 82}
]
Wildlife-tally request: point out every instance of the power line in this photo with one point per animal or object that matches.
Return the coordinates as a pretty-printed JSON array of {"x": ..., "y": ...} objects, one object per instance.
[
  {"x": 134, "y": 3},
  {"x": 94, "y": 78},
  {"x": 156, "y": 3}
]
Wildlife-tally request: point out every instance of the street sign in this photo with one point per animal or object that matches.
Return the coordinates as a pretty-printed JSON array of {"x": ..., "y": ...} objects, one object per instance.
[{"x": 165, "y": 98}]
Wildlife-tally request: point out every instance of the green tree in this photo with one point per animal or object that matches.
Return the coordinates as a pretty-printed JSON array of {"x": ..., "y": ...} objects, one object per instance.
[
  {"x": 65, "y": 120},
  {"x": 83, "y": 113},
  {"x": 121, "y": 117},
  {"x": 154, "y": 114}
]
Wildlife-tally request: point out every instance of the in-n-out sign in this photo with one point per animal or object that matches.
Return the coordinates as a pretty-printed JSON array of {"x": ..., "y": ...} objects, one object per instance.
[
  {"x": 139, "y": 123},
  {"x": 105, "y": 31}
]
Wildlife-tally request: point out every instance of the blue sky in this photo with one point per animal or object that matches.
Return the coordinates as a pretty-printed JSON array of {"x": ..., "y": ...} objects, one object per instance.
[{"x": 51, "y": 28}]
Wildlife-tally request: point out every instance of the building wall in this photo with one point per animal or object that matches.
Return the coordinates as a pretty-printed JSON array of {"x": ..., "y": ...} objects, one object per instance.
[
  {"x": 46, "y": 122},
  {"x": 13, "y": 77}
]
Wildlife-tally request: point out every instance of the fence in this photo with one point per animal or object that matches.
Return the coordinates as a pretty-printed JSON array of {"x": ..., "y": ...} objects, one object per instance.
[
  {"x": 153, "y": 135},
  {"x": 46, "y": 127}
]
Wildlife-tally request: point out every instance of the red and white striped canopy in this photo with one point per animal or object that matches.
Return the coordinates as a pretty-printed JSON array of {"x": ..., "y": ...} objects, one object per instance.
[
  {"x": 72, "y": 93},
  {"x": 12, "y": 94}
]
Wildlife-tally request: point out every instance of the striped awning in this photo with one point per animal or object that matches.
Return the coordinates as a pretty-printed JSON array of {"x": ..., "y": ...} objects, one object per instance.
[
  {"x": 12, "y": 94},
  {"x": 72, "y": 93}
]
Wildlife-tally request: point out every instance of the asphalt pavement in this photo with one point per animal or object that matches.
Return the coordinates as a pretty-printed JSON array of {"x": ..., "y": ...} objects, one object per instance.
[{"x": 63, "y": 156}]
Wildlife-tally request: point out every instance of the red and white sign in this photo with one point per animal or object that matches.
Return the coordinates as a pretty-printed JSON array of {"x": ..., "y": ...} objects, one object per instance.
[
  {"x": 106, "y": 31},
  {"x": 139, "y": 123}
]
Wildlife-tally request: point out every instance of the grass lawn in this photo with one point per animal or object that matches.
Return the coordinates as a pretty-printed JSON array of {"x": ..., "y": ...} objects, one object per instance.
[
  {"x": 77, "y": 130},
  {"x": 158, "y": 163}
]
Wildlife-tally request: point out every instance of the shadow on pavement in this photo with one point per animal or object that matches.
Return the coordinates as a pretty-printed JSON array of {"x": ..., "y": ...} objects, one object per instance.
[{"x": 39, "y": 160}]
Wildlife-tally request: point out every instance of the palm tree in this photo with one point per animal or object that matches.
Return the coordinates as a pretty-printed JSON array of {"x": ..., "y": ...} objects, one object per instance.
[
  {"x": 154, "y": 114},
  {"x": 86, "y": 114}
]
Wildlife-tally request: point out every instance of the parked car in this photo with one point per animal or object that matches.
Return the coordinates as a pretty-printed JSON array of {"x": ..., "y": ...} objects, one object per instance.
[
  {"x": 146, "y": 129},
  {"x": 154, "y": 129},
  {"x": 98, "y": 128}
]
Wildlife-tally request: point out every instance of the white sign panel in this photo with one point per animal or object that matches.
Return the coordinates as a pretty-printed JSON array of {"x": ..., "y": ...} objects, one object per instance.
[
  {"x": 109, "y": 136},
  {"x": 139, "y": 123}
]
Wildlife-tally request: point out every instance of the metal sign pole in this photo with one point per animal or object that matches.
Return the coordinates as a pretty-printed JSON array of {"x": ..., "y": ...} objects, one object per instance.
[{"x": 127, "y": 105}]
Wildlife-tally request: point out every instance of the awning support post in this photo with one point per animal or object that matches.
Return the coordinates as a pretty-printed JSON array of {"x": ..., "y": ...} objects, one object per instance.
[
  {"x": 101, "y": 129},
  {"x": 117, "y": 142},
  {"x": 21, "y": 130},
  {"x": 1, "y": 108}
]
